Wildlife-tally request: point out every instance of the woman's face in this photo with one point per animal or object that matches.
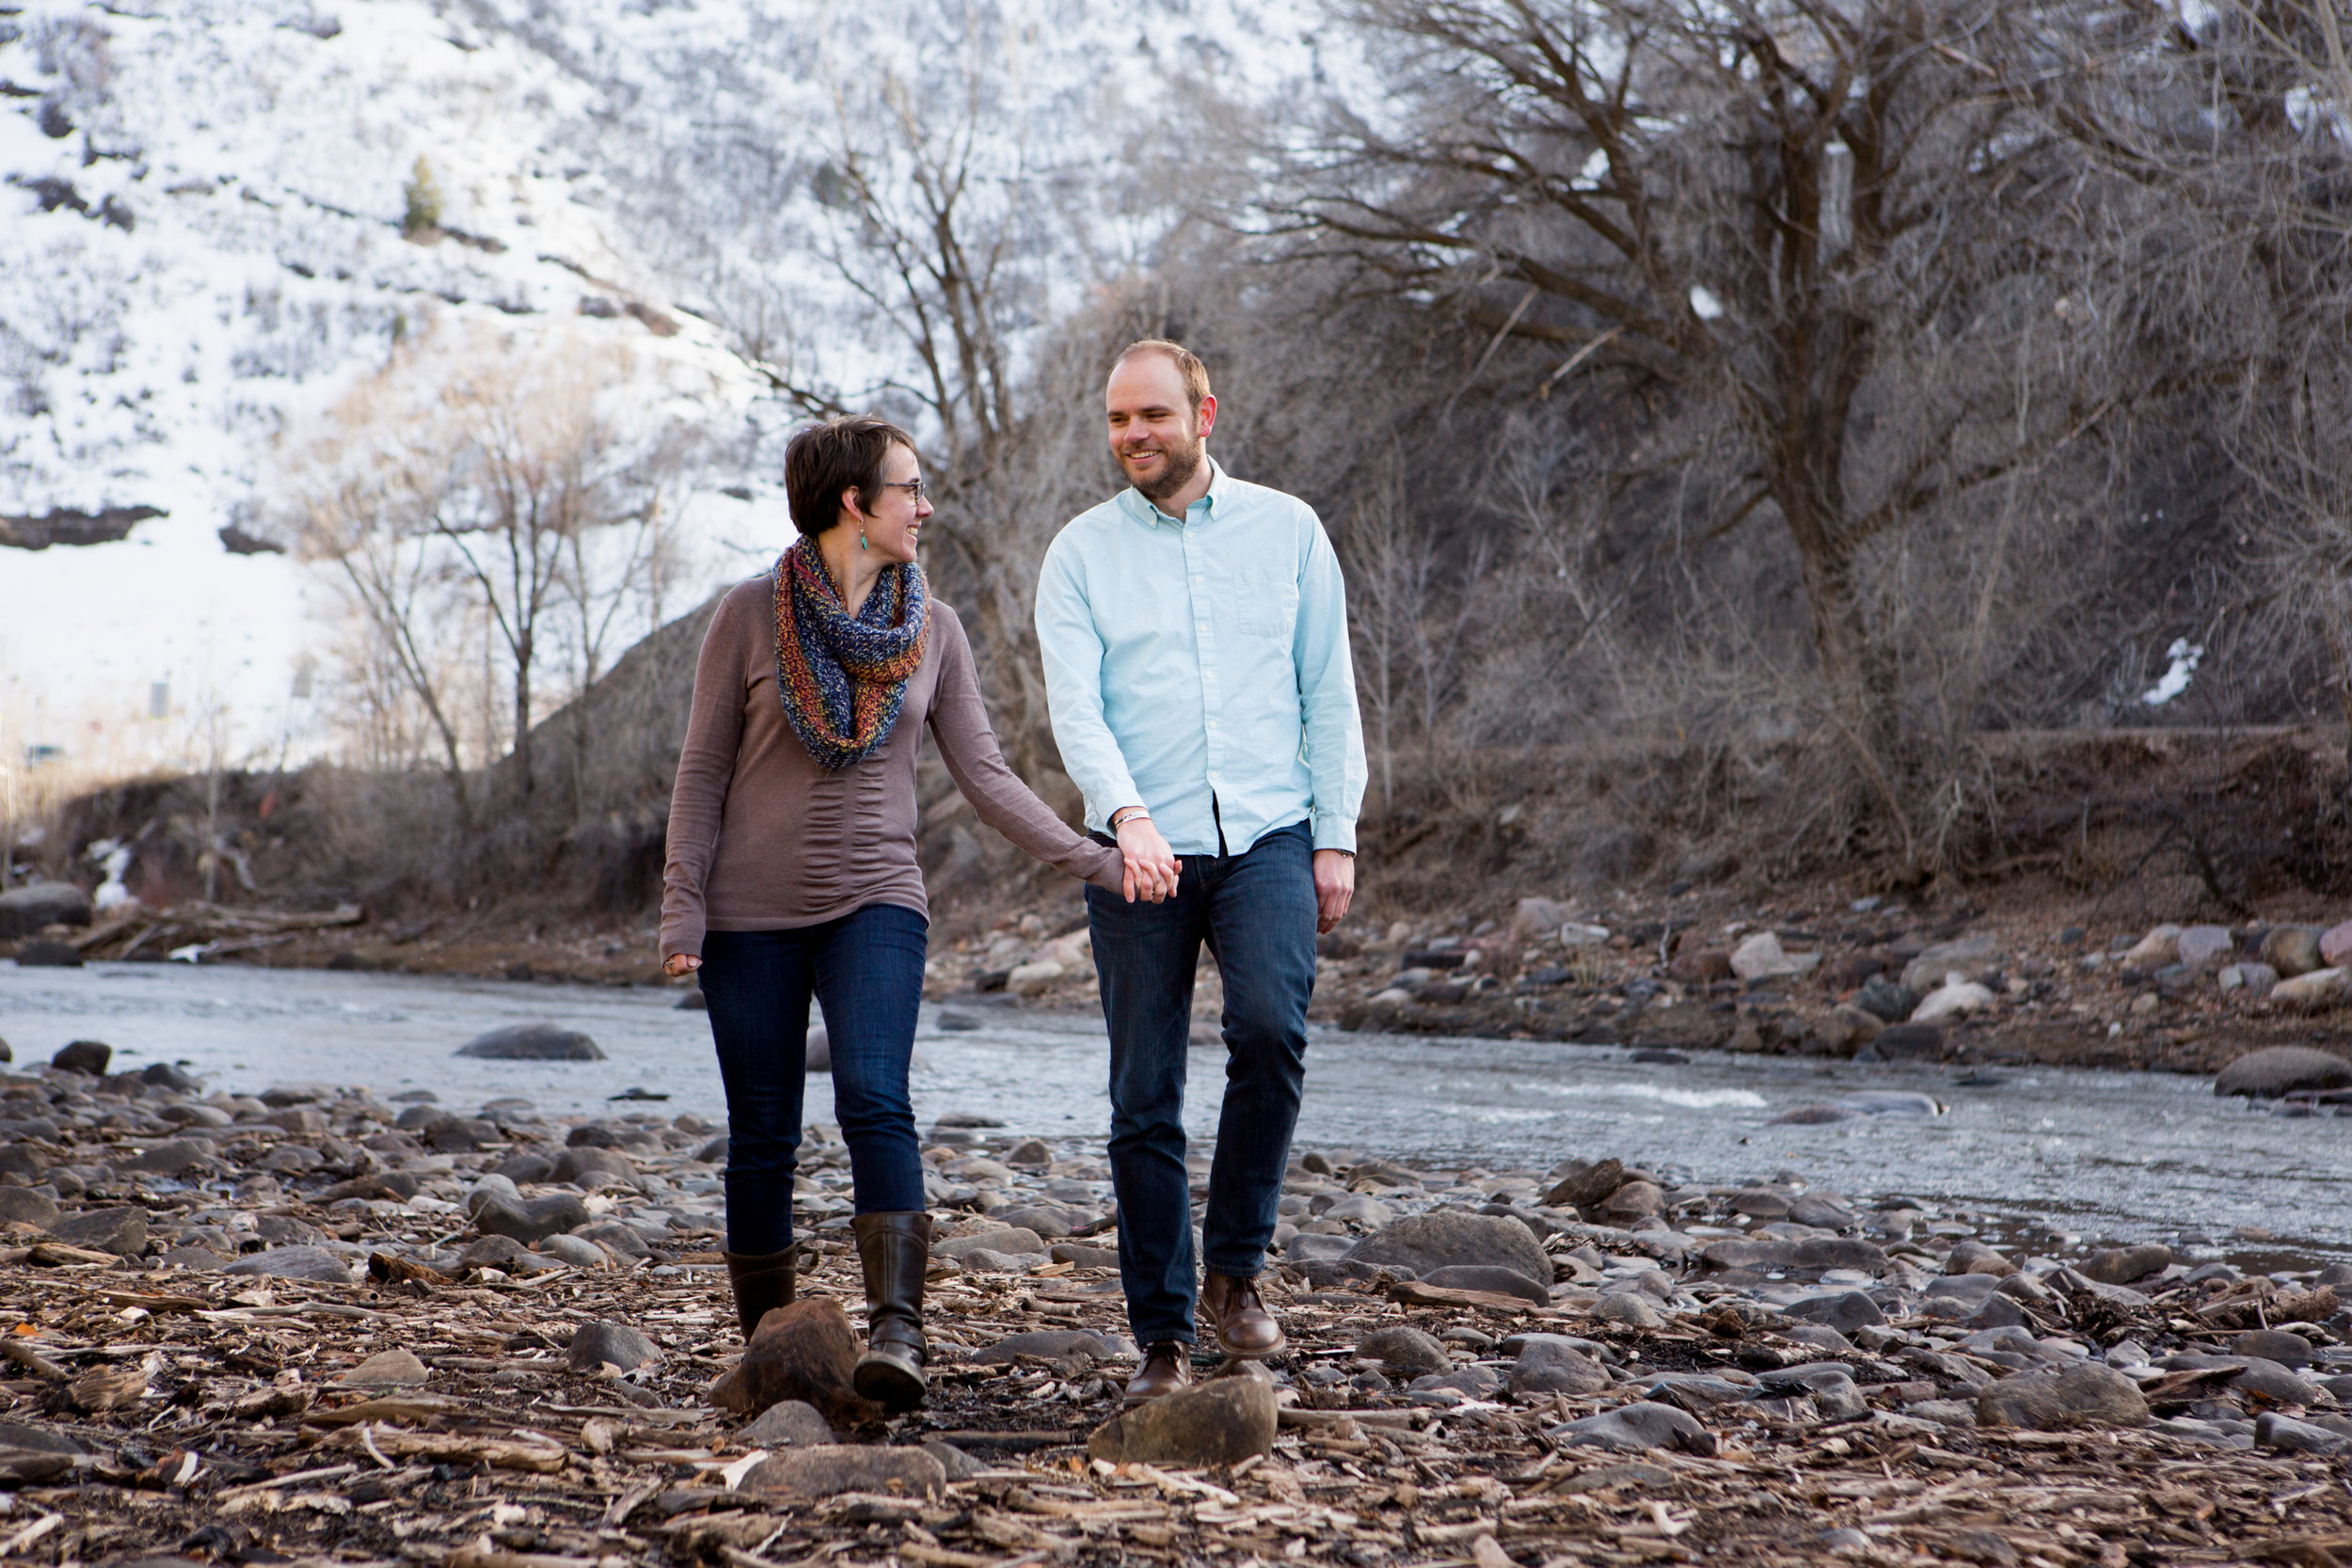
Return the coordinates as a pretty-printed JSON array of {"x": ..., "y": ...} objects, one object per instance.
[{"x": 898, "y": 510}]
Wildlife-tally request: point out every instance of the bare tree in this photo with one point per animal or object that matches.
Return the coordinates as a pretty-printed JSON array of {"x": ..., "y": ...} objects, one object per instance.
[
  {"x": 477, "y": 477},
  {"x": 346, "y": 516},
  {"x": 1830, "y": 223}
]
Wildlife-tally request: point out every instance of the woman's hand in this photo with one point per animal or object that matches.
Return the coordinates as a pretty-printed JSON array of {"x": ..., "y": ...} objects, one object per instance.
[
  {"x": 1152, "y": 867},
  {"x": 677, "y": 966}
]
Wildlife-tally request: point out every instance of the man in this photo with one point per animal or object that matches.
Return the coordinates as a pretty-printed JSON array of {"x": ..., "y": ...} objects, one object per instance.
[{"x": 1194, "y": 630}]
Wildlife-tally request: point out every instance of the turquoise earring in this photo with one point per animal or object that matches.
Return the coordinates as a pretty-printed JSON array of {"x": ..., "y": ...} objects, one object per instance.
[{"x": 861, "y": 539}]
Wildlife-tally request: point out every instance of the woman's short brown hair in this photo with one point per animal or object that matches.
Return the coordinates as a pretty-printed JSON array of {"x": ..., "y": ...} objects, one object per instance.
[{"x": 826, "y": 459}]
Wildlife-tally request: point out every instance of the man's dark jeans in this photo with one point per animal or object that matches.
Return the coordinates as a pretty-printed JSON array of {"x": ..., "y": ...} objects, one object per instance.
[
  {"x": 866, "y": 972},
  {"x": 1257, "y": 912}
]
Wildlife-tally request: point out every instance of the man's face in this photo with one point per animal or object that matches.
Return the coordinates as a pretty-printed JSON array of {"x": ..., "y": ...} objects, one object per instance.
[{"x": 1154, "y": 432}]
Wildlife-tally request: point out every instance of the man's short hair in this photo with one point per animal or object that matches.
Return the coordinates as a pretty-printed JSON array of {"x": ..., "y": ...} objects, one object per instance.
[
  {"x": 826, "y": 459},
  {"x": 1187, "y": 365}
]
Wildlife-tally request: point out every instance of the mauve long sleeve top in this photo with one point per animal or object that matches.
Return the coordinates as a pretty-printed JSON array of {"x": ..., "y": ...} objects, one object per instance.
[{"x": 761, "y": 838}]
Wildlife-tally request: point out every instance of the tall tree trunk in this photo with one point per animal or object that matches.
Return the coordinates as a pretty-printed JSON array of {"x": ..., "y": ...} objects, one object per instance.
[{"x": 522, "y": 714}]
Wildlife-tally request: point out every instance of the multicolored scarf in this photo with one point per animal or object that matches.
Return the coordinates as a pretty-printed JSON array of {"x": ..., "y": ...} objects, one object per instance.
[{"x": 842, "y": 677}]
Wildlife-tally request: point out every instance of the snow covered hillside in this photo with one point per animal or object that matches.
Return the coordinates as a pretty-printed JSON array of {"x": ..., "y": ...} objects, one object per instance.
[{"x": 208, "y": 231}]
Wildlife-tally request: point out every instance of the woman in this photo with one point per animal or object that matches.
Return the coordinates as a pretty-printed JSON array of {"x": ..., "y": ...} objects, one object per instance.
[{"x": 791, "y": 863}]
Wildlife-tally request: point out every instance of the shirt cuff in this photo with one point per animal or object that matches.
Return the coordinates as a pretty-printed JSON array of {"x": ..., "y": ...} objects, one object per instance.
[{"x": 1335, "y": 833}]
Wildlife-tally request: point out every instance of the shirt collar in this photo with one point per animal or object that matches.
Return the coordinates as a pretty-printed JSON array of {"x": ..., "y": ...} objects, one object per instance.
[{"x": 1134, "y": 503}]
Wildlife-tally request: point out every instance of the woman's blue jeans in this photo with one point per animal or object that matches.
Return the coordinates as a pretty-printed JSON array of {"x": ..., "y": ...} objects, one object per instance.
[{"x": 865, "y": 970}]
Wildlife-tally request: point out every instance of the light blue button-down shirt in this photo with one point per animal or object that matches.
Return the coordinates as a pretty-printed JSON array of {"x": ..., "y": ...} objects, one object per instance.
[{"x": 1200, "y": 668}]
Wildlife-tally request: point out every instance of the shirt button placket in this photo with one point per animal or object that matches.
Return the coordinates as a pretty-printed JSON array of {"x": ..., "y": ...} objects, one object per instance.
[{"x": 1204, "y": 638}]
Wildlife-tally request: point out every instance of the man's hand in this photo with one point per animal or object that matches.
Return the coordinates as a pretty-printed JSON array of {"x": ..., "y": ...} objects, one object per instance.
[
  {"x": 1151, "y": 866},
  {"x": 677, "y": 966},
  {"x": 1335, "y": 887}
]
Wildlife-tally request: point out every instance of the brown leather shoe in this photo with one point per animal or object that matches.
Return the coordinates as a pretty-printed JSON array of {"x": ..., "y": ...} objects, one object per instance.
[
  {"x": 1165, "y": 1369},
  {"x": 1244, "y": 1326}
]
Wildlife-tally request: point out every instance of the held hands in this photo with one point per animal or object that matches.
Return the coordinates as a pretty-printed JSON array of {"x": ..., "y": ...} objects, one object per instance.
[
  {"x": 1152, "y": 867},
  {"x": 1335, "y": 887}
]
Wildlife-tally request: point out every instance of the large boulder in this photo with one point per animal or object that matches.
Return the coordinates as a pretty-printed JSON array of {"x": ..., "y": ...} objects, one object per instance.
[
  {"x": 2280, "y": 1070},
  {"x": 532, "y": 1042},
  {"x": 27, "y": 909},
  {"x": 1435, "y": 1241}
]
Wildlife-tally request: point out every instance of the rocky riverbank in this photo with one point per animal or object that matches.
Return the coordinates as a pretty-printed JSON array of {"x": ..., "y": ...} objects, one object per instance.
[
  {"x": 317, "y": 1325},
  {"x": 1869, "y": 981}
]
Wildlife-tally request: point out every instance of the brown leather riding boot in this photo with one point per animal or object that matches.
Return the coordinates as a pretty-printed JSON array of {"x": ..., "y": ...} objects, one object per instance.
[
  {"x": 762, "y": 1284},
  {"x": 1244, "y": 1326},
  {"x": 1165, "y": 1369},
  {"x": 895, "y": 1251}
]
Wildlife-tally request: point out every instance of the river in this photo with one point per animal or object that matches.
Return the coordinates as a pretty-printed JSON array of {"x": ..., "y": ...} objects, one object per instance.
[{"x": 2132, "y": 1156}]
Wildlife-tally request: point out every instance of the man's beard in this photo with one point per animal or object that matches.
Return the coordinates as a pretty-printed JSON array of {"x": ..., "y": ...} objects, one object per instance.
[{"x": 1183, "y": 463}]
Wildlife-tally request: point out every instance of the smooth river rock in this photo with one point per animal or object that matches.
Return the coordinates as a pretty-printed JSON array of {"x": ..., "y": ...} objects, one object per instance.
[
  {"x": 805, "y": 1351},
  {"x": 27, "y": 909},
  {"x": 532, "y": 1220},
  {"x": 2315, "y": 993},
  {"x": 2083, "y": 1395},
  {"x": 294, "y": 1263},
  {"x": 1222, "y": 1421},
  {"x": 788, "y": 1424},
  {"x": 1435, "y": 1241},
  {"x": 609, "y": 1345},
  {"x": 120, "y": 1231},
  {"x": 89, "y": 1056},
  {"x": 2291, "y": 950},
  {"x": 2280, "y": 1070},
  {"x": 1405, "y": 1350},
  {"x": 532, "y": 1042},
  {"x": 1637, "y": 1427},
  {"x": 829, "y": 1470}
]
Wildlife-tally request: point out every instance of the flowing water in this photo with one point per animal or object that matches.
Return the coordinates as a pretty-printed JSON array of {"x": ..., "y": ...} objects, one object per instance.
[{"x": 2135, "y": 1156}]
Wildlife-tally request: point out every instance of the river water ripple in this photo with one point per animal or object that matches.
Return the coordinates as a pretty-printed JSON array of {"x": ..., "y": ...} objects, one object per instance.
[{"x": 2135, "y": 1156}]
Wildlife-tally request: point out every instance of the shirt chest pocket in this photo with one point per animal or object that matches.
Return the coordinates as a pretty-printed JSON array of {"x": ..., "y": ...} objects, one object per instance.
[{"x": 1267, "y": 606}]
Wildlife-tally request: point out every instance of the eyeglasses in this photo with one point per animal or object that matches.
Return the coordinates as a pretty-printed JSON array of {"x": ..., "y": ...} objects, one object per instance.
[{"x": 913, "y": 487}]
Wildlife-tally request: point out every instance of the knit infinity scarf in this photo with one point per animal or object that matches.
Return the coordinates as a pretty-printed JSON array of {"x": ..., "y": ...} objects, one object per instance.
[{"x": 842, "y": 677}]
